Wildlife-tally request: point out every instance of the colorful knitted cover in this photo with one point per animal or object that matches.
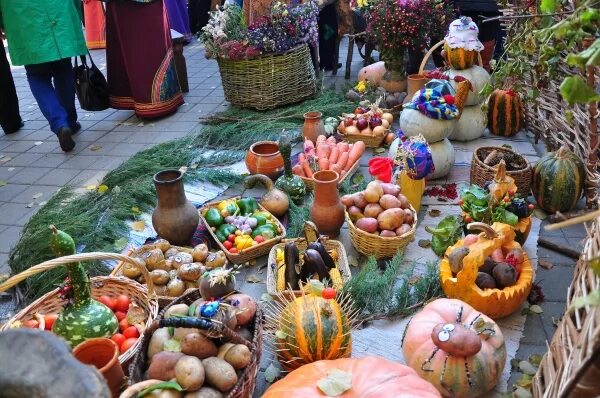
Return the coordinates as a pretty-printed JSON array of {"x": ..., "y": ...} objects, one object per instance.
[
  {"x": 435, "y": 100},
  {"x": 414, "y": 156}
]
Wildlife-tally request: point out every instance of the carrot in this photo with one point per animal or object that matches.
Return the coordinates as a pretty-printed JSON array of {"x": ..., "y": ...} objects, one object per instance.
[
  {"x": 306, "y": 167},
  {"x": 335, "y": 154},
  {"x": 343, "y": 173},
  {"x": 297, "y": 169},
  {"x": 321, "y": 140},
  {"x": 343, "y": 146},
  {"x": 355, "y": 153},
  {"x": 331, "y": 140},
  {"x": 342, "y": 160},
  {"x": 323, "y": 151},
  {"x": 323, "y": 164},
  {"x": 337, "y": 169},
  {"x": 309, "y": 147}
]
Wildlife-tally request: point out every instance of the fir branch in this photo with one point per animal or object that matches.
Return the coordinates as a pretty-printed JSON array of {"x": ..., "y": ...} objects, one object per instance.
[{"x": 297, "y": 215}]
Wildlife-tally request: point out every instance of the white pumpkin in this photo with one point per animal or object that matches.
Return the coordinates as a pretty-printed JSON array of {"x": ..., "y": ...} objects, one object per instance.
[
  {"x": 443, "y": 156},
  {"x": 471, "y": 124},
  {"x": 413, "y": 122},
  {"x": 478, "y": 77}
]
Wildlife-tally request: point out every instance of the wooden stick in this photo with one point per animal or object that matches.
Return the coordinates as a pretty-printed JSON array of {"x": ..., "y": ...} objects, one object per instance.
[
  {"x": 574, "y": 221},
  {"x": 559, "y": 248},
  {"x": 560, "y": 217}
]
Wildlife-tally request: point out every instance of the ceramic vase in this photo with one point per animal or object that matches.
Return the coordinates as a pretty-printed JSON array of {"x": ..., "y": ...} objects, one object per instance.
[
  {"x": 175, "y": 218},
  {"x": 327, "y": 212},
  {"x": 103, "y": 354},
  {"x": 313, "y": 126},
  {"x": 394, "y": 78},
  {"x": 415, "y": 83},
  {"x": 263, "y": 157}
]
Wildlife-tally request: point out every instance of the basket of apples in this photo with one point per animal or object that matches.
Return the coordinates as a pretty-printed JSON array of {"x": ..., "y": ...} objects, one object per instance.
[{"x": 370, "y": 125}]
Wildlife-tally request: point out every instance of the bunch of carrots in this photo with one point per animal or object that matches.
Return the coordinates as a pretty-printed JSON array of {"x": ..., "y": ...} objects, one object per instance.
[{"x": 326, "y": 154}]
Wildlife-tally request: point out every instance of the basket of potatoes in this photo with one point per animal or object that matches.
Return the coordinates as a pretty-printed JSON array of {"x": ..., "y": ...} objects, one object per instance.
[{"x": 173, "y": 269}]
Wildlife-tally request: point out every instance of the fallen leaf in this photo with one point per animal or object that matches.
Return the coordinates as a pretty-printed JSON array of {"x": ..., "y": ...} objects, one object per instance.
[
  {"x": 545, "y": 264},
  {"x": 414, "y": 279},
  {"x": 194, "y": 166},
  {"x": 424, "y": 243},
  {"x": 135, "y": 210},
  {"x": 527, "y": 368},
  {"x": 37, "y": 195},
  {"x": 252, "y": 278},
  {"x": 434, "y": 212},
  {"x": 120, "y": 244},
  {"x": 272, "y": 373},
  {"x": 38, "y": 143},
  {"x": 521, "y": 392},
  {"x": 539, "y": 214},
  {"x": 102, "y": 188},
  {"x": 536, "y": 309},
  {"x": 4, "y": 159},
  {"x": 29, "y": 205},
  {"x": 42, "y": 203},
  {"x": 335, "y": 383},
  {"x": 91, "y": 187},
  {"x": 535, "y": 359},
  {"x": 11, "y": 168},
  {"x": 141, "y": 124},
  {"x": 138, "y": 226},
  {"x": 379, "y": 150},
  {"x": 3, "y": 183},
  {"x": 525, "y": 381},
  {"x": 353, "y": 261},
  {"x": 183, "y": 169},
  {"x": 95, "y": 147},
  {"x": 127, "y": 124}
]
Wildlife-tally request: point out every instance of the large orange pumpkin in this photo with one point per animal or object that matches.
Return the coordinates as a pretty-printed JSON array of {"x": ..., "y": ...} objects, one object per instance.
[
  {"x": 372, "y": 377},
  {"x": 456, "y": 348}
]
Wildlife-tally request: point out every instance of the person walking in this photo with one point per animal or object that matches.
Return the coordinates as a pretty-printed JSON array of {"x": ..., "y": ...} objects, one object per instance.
[
  {"x": 43, "y": 36},
  {"x": 179, "y": 19},
  {"x": 95, "y": 24},
  {"x": 10, "y": 118}
]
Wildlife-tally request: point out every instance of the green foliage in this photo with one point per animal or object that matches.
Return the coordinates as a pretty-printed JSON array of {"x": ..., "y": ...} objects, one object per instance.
[{"x": 297, "y": 215}]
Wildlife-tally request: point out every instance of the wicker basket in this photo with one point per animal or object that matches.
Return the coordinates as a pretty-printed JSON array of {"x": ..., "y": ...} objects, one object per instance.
[
  {"x": 342, "y": 265},
  {"x": 370, "y": 141},
  {"x": 482, "y": 173},
  {"x": 380, "y": 247},
  {"x": 247, "y": 380},
  {"x": 269, "y": 81},
  {"x": 101, "y": 285},
  {"x": 246, "y": 254},
  {"x": 310, "y": 183}
]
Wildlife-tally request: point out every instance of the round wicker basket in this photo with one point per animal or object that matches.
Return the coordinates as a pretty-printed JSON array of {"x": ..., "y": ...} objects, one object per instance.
[
  {"x": 101, "y": 285},
  {"x": 482, "y": 173},
  {"x": 370, "y": 141}
]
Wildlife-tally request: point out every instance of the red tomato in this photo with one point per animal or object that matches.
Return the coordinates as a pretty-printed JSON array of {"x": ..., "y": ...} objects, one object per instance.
[
  {"x": 127, "y": 344},
  {"x": 233, "y": 250},
  {"x": 123, "y": 303},
  {"x": 328, "y": 293},
  {"x": 120, "y": 315},
  {"x": 119, "y": 339},
  {"x": 123, "y": 324},
  {"x": 231, "y": 238},
  {"x": 259, "y": 239},
  {"x": 108, "y": 301},
  {"x": 49, "y": 321},
  {"x": 31, "y": 323},
  {"x": 461, "y": 202},
  {"x": 468, "y": 218},
  {"x": 227, "y": 245},
  {"x": 131, "y": 332}
]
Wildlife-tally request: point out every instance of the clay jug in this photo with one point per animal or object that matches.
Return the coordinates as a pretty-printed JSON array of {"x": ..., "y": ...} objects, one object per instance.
[
  {"x": 313, "y": 126},
  {"x": 263, "y": 157},
  {"x": 327, "y": 212},
  {"x": 175, "y": 218},
  {"x": 104, "y": 355},
  {"x": 415, "y": 83}
]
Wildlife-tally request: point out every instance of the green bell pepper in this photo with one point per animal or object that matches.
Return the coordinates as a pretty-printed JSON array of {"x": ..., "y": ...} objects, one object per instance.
[
  {"x": 213, "y": 217},
  {"x": 267, "y": 231},
  {"x": 224, "y": 231},
  {"x": 260, "y": 219},
  {"x": 247, "y": 205}
]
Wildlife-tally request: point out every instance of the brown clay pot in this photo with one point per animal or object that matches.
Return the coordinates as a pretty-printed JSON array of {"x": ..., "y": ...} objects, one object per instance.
[
  {"x": 415, "y": 83},
  {"x": 263, "y": 157},
  {"x": 327, "y": 212},
  {"x": 104, "y": 355},
  {"x": 313, "y": 126},
  {"x": 217, "y": 290},
  {"x": 175, "y": 218}
]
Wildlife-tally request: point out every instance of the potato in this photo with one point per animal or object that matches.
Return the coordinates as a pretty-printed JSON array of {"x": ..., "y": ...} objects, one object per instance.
[
  {"x": 191, "y": 271},
  {"x": 373, "y": 192},
  {"x": 204, "y": 392},
  {"x": 215, "y": 260},
  {"x": 237, "y": 355},
  {"x": 160, "y": 277},
  {"x": 177, "y": 310},
  {"x": 485, "y": 281},
  {"x": 372, "y": 210},
  {"x": 389, "y": 202},
  {"x": 390, "y": 219},
  {"x": 359, "y": 200},
  {"x": 244, "y": 307},
  {"x": 182, "y": 258},
  {"x": 387, "y": 233},
  {"x": 198, "y": 345},
  {"x": 164, "y": 394},
  {"x": 403, "y": 229},
  {"x": 355, "y": 213},
  {"x": 162, "y": 365},
  {"x": 189, "y": 373},
  {"x": 175, "y": 287},
  {"x": 154, "y": 259},
  {"x": 409, "y": 216},
  {"x": 367, "y": 224},
  {"x": 180, "y": 333},
  {"x": 131, "y": 271},
  {"x": 404, "y": 202},
  {"x": 348, "y": 200},
  {"x": 190, "y": 285},
  {"x": 172, "y": 252},
  {"x": 200, "y": 252},
  {"x": 162, "y": 244},
  {"x": 157, "y": 341},
  {"x": 219, "y": 374},
  {"x": 462, "y": 341},
  {"x": 161, "y": 290},
  {"x": 391, "y": 189},
  {"x": 505, "y": 275}
]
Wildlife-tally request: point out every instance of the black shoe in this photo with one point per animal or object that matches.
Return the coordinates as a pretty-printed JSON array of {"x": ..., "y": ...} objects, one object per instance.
[
  {"x": 76, "y": 128},
  {"x": 14, "y": 130},
  {"x": 66, "y": 141}
]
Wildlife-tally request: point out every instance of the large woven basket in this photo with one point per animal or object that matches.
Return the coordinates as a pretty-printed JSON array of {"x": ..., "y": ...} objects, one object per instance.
[
  {"x": 269, "y": 81},
  {"x": 247, "y": 380},
  {"x": 378, "y": 246},
  {"x": 245, "y": 254},
  {"x": 482, "y": 173},
  {"x": 101, "y": 285},
  {"x": 342, "y": 265}
]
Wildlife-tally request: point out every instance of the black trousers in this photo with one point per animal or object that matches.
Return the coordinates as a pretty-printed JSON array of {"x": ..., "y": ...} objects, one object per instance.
[
  {"x": 198, "y": 10},
  {"x": 10, "y": 120},
  {"x": 328, "y": 34}
]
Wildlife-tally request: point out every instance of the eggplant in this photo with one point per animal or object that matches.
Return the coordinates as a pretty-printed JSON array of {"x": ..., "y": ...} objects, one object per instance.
[
  {"x": 315, "y": 264},
  {"x": 327, "y": 259},
  {"x": 291, "y": 257},
  {"x": 518, "y": 207}
]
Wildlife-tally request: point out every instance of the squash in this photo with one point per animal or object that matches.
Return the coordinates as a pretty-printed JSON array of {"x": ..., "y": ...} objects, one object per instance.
[
  {"x": 456, "y": 348},
  {"x": 311, "y": 328},
  {"x": 459, "y": 58},
  {"x": 477, "y": 76},
  {"x": 370, "y": 377},
  {"x": 495, "y": 303},
  {"x": 443, "y": 158},
  {"x": 275, "y": 200},
  {"x": 505, "y": 113},
  {"x": 413, "y": 123},
  {"x": 471, "y": 124},
  {"x": 372, "y": 73},
  {"x": 84, "y": 318},
  {"x": 289, "y": 182},
  {"x": 502, "y": 183},
  {"x": 557, "y": 181}
]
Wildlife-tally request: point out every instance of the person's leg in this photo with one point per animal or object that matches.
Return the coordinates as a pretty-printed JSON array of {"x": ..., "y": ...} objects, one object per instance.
[
  {"x": 414, "y": 61},
  {"x": 10, "y": 119},
  {"x": 327, "y": 36},
  {"x": 64, "y": 84}
]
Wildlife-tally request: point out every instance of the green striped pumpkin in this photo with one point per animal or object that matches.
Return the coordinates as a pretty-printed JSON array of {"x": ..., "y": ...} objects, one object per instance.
[
  {"x": 504, "y": 113},
  {"x": 558, "y": 179},
  {"x": 459, "y": 58}
]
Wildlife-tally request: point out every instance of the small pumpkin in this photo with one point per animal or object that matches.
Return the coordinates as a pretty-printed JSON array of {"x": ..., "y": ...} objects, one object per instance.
[
  {"x": 505, "y": 113},
  {"x": 443, "y": 156},
  {"x": 471, "y": 124},
  {"x": 558, "y": 179},
  {"x": 275, "y": 200},
  {"x": 370, "y": 377},
  {"x": 289, "y": 182},
  {"x": 459, "y": 58},
  {"x": 502, "y": 183},
  {"x": 456, "y": 348},
  {"x": 478, "y": 77},
  {"x": 495, "y": 303}
]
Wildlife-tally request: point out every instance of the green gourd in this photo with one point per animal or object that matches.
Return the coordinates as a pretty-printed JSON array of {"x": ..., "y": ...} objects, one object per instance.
[
  {"x": 84, "y": 318},
  {"x": 289, "y": 182}
]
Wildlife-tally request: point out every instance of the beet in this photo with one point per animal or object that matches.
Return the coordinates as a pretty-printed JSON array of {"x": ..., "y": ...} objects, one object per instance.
[
  {"x": 485, "y": 281},
  {"x": 488, "y": 266},
  {"x": 505, "y": 275}
]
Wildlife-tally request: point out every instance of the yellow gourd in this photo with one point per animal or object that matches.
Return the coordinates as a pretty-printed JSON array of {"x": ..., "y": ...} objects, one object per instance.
[
  {"x": 412, "y": 189},
  {"x": 502, "y": 183}
]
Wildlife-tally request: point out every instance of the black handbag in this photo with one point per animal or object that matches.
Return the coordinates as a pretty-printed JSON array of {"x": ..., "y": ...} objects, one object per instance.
[{"x": 91, "y": 86}]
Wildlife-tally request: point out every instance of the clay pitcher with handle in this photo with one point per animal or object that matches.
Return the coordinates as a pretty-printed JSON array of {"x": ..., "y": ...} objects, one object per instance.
[{"x": 327, "y": 212}]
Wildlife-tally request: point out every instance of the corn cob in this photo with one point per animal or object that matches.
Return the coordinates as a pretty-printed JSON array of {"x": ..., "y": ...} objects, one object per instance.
[
  {"x": 336, "y": 278},
  {"x": 280, "y": 270}
]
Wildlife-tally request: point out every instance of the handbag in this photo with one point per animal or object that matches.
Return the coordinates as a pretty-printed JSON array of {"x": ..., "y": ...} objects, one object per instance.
[{"x": 91, "y": 86}]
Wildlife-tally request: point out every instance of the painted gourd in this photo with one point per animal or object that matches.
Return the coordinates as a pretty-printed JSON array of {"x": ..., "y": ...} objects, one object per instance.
[
  {"x": 84, "y": 318},
  {"x": 505, "y": 113},
  {"x": 459, "y": 58},
  {"x": 471, "y": 124},
  {"x": 456, "y": 348},
  {"x": 557, "y": 181},
  {"x": 289, "y": 182},
  {"x": 495, "y": 303},
  {"x": 413, "y": 123},
  {"x": 502, "y": 183},
  {"x": 372, "y": 376},
  {"x": 372, "y": 73},
  {"x": 443, "y": 156},
  {"x": 478, "y": 77},
  {"x": 311, "y": 328}
]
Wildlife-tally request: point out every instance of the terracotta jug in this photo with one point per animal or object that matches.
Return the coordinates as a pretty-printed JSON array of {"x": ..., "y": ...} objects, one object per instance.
[
  {"x": 175, "y": 218},
  {"x": 104, "y": 355},
  {"x": 327, "y": 212},
  {"x": 415, "y": 83},
  {"x": 263, "y": 157},
  {"x": 313, "y": 126}
]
